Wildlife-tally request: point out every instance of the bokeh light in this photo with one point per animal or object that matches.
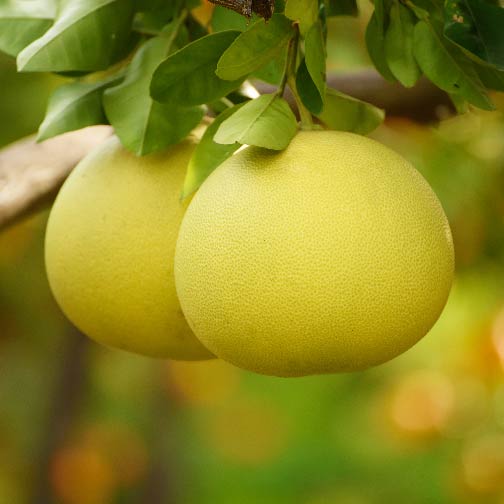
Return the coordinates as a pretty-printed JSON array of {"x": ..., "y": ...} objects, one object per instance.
[
  {"x": 422, "y": 403},
  {"x": 202, "y": 383},
  {"x": 248, "y": 432},
  {"x": 426, "y": 428}
]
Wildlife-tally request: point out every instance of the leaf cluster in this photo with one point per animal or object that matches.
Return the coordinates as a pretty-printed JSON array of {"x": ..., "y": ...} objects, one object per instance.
[
  {"x": 458, "y": 45},
  {"x": 152, "y": 70}
]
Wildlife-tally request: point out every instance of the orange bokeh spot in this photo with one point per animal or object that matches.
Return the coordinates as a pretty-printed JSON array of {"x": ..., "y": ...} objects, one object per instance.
[
  {"x": 498, "y": 336},
  {"x": 99, "y": 461},
  {"x": 483, "y": 465},
  {"x": 82, "y": 475},
  {"x": 203, "y": 13},
  {"x": 202, "y": 383},
  {"x": 421, "y": 403},
  {"x": 250, "y": 433},
  {"x": 123, "y": 447}
]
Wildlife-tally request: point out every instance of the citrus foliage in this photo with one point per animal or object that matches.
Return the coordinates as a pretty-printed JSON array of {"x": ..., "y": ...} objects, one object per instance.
[{"x": 152, "y": 70}]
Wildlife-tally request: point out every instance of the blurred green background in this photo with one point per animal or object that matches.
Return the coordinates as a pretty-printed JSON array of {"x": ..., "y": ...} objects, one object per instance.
[{"x": 82, "y": 424}]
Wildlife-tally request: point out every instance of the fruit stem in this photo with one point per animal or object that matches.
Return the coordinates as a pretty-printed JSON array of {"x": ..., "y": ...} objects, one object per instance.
[
  {"x": 179, "y": 21},
  {"x": 283, "y": 84},
  {"x": 172, "y": 32},
  {"x": 290, "y": 79}
]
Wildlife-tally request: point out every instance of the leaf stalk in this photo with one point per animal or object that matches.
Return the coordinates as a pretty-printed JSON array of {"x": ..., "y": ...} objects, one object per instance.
[{"x": 290, "y": 79}]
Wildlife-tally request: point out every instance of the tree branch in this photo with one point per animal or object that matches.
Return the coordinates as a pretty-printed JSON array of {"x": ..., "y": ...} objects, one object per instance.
[
  {"x": 31, "y": 174},
  {"x": 423, "y": 103}
]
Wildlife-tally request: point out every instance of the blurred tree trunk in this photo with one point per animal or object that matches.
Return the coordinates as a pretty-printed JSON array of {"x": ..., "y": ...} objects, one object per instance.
[
  {"x": 162, "y": 484},
  {"x": 64, "y": 409}
]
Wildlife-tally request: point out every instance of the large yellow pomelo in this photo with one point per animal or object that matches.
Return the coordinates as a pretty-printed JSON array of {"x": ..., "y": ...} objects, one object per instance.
[
  {"x": 333, "y": 255},
  {"x": 109, "y": 248}
]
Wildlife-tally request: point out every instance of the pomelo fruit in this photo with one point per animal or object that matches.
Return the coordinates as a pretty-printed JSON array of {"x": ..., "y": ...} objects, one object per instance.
[
  {"x": 109, "y": 249},
  {"x": 332, "y": 255}
]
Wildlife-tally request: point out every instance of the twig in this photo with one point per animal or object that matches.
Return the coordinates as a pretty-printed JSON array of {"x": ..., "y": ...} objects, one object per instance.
[
  {"x": 423, "y": 103},
  {"x": 31, "y": 174}
]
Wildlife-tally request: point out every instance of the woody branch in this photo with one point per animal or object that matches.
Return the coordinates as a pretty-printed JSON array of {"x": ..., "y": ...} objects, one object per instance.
[{"x": 31, "y": 174}]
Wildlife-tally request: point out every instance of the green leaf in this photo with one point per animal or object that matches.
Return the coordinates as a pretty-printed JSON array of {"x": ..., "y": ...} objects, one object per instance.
[
  {"x": 315, "y": 56},
  {"x": 153, "y": 15},
  {"x": 478, "y": 28},
  {"x": 303, "y": 11},
  {"x": 75, "y": 106},
  {"x": 280, "y": 5},
  {"x": 208, "y": 154},
  {"x": 255, "y": 47},
  {"x": 307, "y": 90},
  {"x": 381, "y": 15},
  {"x": 267, "y": 122},
  {"x": 423, "y": 14},
  {"x": 195, "y": 29},
  {"x": 345, "y": 113},
  {"x": 143, "y": 125},
  {"x": 148, "y": 23},
  {"x": 225, "y": 19},
  {"x": 491, "y": 78},
  {"x": 459, "y": 103},
  {"x": 446, "y": 66},
  {"x": 88, "y": 35},
  {"x": 342, "y": 8},
  {"x": 22, "y": 22},
  {"x": 160, "y": 7},
  {"x": 192, "y": 4},
  {"x": 375, "y": 42},
  {"x": 188, "y": 76},
  {"x": 399, "y": 45},
  {"x": 273, "y": 71}
]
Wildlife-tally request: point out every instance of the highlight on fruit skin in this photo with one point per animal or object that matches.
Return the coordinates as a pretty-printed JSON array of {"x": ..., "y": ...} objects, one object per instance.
[
  {"x": 334, "y": 255},
  {"x": 109, "y": 250}
]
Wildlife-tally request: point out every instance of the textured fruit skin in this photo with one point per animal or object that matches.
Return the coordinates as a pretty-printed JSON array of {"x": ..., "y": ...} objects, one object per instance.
[
  {"x": 333, "y": 255},
  {"x": 109, "y": 250}
]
